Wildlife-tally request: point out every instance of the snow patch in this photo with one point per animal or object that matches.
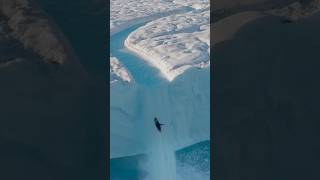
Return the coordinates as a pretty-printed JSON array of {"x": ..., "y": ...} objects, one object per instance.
[{"x": 118, "y": 72}]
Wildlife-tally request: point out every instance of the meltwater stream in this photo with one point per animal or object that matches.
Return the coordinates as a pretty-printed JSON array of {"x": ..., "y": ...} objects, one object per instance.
[{"x": 162, "y": 162}]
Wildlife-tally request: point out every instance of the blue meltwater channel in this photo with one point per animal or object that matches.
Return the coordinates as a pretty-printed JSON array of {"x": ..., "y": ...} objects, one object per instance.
[{"x": 144, "y": 74}]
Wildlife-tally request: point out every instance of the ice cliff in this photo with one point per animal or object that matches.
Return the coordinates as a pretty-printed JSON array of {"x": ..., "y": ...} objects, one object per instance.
[{"x": 183, "y": 105}]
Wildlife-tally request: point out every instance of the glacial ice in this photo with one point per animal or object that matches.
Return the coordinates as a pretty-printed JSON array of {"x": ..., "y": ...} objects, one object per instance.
[
  {"x": 196, "y": 4},
  {"x": 125, "y": 13},
  {"x": 178, "y": 45},
  {"x": 175, "y": 43},
  {"x": 183, "y": 105}
]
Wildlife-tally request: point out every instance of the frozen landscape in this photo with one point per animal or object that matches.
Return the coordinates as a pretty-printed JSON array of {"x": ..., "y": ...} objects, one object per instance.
[
  {"x": 175, "y": 43},
  {"x": 159, "y": 67}
]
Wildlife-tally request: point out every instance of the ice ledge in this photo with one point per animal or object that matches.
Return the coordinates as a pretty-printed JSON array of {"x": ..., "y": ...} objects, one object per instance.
[
  {"x": 167, "y": 70},
  {"x": 173, "y": 44}
]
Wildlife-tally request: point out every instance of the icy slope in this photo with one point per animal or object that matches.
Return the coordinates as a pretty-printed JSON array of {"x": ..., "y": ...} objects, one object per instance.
[
  {"x": 181, "y": 105},
  {"x": 175, "y": 43}
]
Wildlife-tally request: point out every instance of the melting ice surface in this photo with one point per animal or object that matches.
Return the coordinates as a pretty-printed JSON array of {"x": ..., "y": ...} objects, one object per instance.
[{"x": 138, "y": 150}]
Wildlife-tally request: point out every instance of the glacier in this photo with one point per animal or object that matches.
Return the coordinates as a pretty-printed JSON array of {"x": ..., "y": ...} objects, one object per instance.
[
  {"x": 182, "y": 104},
  {"x": 159, "y": 67}
]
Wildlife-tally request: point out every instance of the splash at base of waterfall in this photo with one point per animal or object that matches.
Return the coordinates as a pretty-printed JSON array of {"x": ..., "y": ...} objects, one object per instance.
[
  {"x": 160, "y": 163},
  {"x": 192, "y": 163}
]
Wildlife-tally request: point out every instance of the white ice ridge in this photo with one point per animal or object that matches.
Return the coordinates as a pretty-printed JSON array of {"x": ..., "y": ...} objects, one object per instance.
[
  {"x": 174, "y": 43},
  {"x": 118, "y": 72},
  {"x": 125, "y": 13}
]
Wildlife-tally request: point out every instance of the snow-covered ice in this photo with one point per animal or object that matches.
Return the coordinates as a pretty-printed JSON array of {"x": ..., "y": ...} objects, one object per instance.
[
  {"x": 196, "y": 4},
  {"x": 125, "y": 13},
  {"x": 118, "y": 72},
  {"x": 175, "y": 43}
]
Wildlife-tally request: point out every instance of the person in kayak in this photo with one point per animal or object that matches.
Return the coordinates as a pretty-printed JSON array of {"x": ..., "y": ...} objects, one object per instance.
[{"x": 158, "y": 124}]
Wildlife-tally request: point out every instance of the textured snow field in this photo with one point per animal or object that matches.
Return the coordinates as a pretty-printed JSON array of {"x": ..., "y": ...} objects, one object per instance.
[
  {"x": 196, "y": 4},
  {"x": 130, "y": 12},
  {"x": 125, "y": 13},
  {"x": 175, "y": 43}
]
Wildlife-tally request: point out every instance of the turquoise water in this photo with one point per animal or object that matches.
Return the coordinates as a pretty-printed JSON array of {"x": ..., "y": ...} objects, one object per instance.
[
  {"x": 193, "y": 163},
  {"x": 144, "y": 74}
]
